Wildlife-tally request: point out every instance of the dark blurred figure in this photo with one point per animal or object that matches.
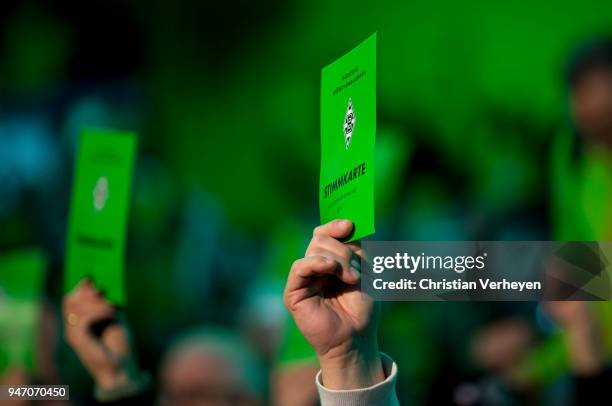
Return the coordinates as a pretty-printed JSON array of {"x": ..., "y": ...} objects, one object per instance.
[
  {"x": 581, "y": 201},
  {"x": 590, "y": 86}
]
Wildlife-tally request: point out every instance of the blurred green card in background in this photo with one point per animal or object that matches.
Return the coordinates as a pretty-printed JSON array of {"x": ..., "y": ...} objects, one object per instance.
[
  {"x": 99, "y": 211},
  {"x": 348, "y": 131},
  {"x": 21, "y": 282}
]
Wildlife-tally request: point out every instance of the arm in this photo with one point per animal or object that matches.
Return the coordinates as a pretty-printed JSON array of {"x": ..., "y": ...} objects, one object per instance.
[
  {"x": 339, "y": 321},
  {"x": 582, "y": 336},
  {"x": 585, "y": 349},
  {"x": 107, "y": 355}
]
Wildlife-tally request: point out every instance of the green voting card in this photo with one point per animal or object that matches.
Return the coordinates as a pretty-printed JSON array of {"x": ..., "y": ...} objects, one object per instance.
[
  {"x": 21, "y": 282},
  {"x": 348, "y": 131},
  {"x": 99, "y": 211}
]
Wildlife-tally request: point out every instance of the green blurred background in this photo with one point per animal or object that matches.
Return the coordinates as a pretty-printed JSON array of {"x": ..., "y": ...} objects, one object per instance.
[{"x": 224, "y": 97}]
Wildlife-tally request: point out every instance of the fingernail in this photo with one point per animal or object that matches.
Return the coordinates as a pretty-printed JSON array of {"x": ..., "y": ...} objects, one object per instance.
[
  {"x": 355, "y": 263},
  {"x": 355, "y": 273},
  {"x": 344, "y": 223}
]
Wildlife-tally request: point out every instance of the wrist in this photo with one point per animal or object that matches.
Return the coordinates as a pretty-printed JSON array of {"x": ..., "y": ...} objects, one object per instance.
[
  {"x": 120, "y": 384},
  {"x": 359, "y": 366},
  {"x": 112, "y": 380},
  {"x": 582, "y": 323},
  {"x": 123, "y": 374},
  {"x": 585, "y": 349}
]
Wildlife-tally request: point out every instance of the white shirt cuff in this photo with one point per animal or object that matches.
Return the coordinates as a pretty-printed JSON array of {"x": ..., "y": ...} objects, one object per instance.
[{"x": 383, "y": 393}]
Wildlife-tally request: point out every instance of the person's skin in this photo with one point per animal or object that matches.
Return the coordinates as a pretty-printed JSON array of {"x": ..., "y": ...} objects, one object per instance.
[
  {"x": 498, "y": 348},
  {"x": 107, "y": 357},
  {"x": 499, "y": 345},
  {"x": 583, "y": 338},
  {"x": 591, "y": 106},
  {"x": 188, "y": 376},
  {"x": 199, "y": 376},
  {"x": 336, "y": 318},
  {"x": 15, "y": 377}
]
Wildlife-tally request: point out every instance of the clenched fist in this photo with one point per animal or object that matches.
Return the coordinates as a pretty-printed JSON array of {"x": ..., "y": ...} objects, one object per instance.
[{"x": 338, "y": 320}]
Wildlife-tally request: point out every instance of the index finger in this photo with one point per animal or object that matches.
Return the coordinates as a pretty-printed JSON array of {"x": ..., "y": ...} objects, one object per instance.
[{"x": 304, "y": 269}]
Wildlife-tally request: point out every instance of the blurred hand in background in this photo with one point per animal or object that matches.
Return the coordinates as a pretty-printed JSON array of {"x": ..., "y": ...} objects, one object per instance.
[
  {"x": 101, "y": 342},
  {"x": 15, "y": 377},
  {"x": 583, "y": 341}
]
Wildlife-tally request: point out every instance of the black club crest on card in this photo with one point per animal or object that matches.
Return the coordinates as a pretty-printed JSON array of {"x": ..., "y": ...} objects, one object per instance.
[{"x": 349, "y": 124}]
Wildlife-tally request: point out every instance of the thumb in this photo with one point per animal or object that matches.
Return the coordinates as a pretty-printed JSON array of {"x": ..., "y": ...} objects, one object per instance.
[{"x": 338, "y": 229}]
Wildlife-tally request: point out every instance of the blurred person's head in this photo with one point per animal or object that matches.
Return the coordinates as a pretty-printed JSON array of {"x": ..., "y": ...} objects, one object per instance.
[
  {"x": 500, "y": 345},
  {"x": 211, "y": 367},
  {"x": 590, "y": 85}
]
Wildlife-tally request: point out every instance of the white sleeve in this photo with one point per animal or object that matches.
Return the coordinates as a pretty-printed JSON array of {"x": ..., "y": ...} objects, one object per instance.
[{"x": 381, "y": 394}]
